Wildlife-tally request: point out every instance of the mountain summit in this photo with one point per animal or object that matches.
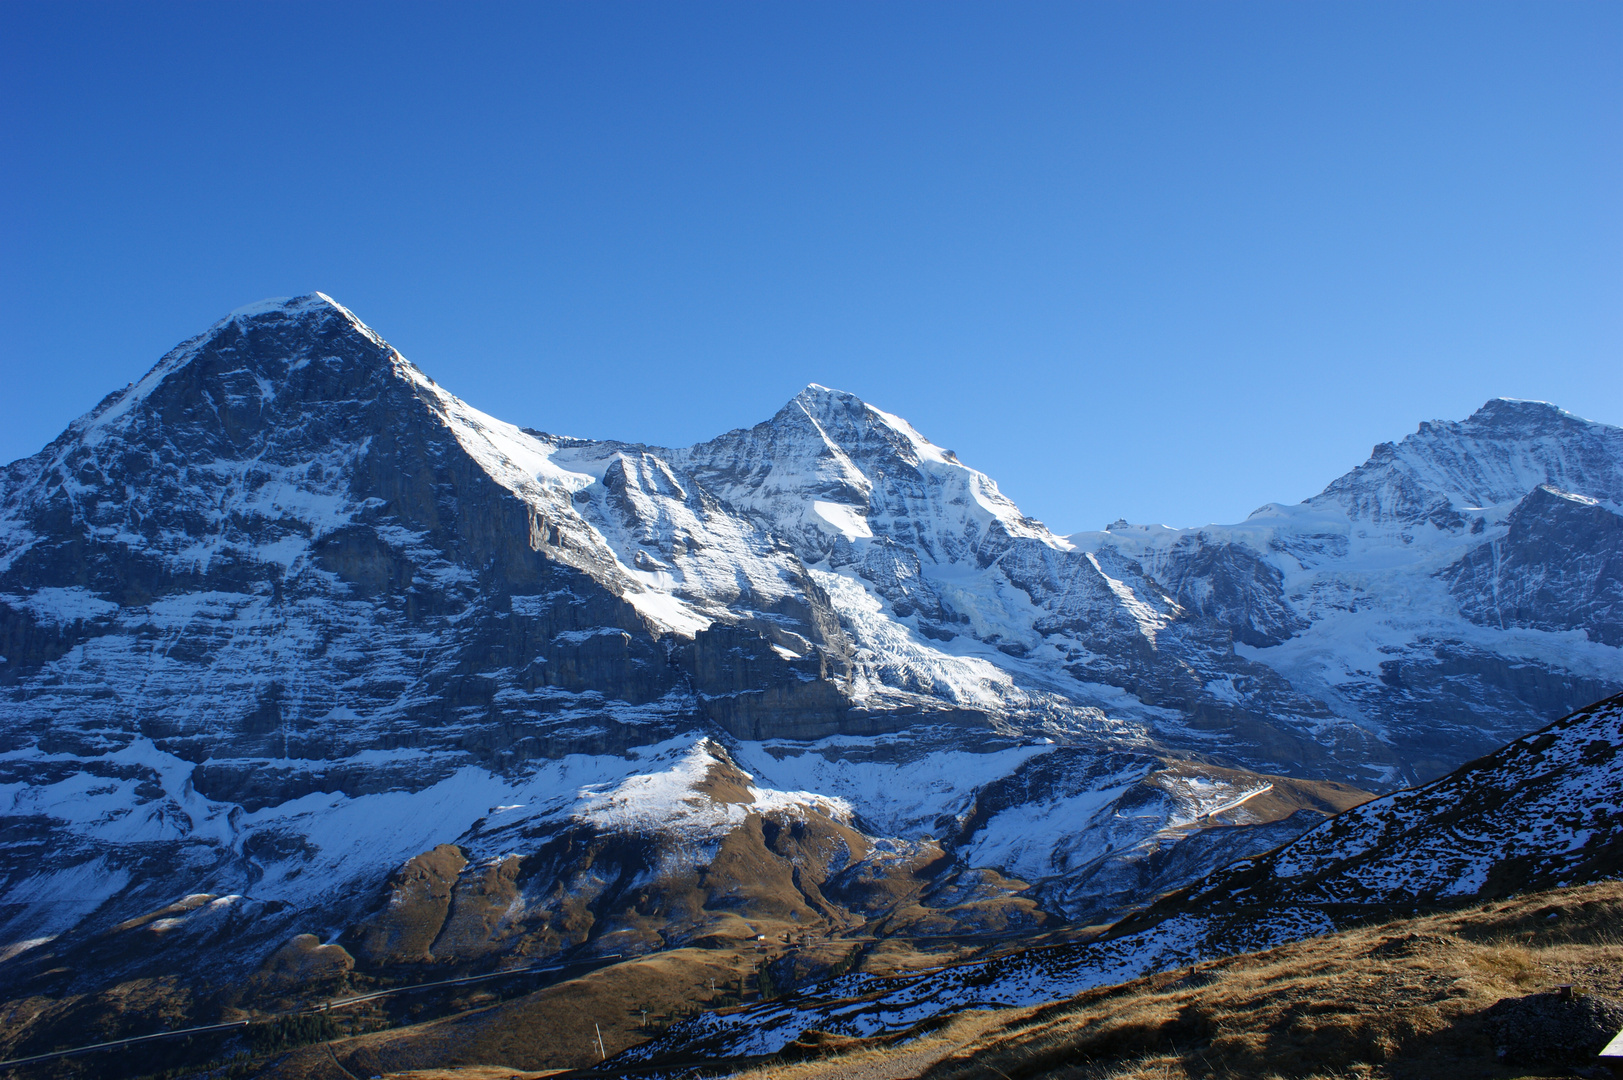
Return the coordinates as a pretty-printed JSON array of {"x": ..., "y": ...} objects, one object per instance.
[
  {"x": 288, "y": 625},
  {"x": 1492, "y": 458}
]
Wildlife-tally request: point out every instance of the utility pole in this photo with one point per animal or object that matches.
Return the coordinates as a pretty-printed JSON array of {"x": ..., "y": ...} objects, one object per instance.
[{"x": 602, "y": 1054}]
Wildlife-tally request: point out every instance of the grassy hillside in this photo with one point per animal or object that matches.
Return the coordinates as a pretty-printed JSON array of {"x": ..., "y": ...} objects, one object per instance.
[{"x": 1401, "y": 999}]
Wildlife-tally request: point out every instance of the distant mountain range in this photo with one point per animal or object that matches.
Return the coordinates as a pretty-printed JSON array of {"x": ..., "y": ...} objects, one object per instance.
[{"x": 289, "y": 631}]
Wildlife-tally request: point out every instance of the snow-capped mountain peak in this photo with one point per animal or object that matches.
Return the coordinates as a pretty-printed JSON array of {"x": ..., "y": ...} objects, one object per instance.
[
  {"x": 1492, "y": 458},
  {"x": 845, "y": 420},
  {"x": 830, "y": 468},
  {"x": 285, "y": 586}
]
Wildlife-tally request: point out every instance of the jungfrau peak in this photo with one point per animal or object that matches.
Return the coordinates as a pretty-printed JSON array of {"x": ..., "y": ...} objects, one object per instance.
[{"x": 287, "y": 626}]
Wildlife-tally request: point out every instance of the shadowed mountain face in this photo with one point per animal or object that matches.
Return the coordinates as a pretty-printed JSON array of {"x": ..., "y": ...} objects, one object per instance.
[
  {"x": 285, "y": 617},
  {"x": 1558, "y": 567}
]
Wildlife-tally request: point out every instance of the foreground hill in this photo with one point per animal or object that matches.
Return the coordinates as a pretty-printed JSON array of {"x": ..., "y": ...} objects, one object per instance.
[
  {"x": 1542, "y": 812},
  {"x": 295, "y": 642},
  {"x": 1469, "y": 993}
]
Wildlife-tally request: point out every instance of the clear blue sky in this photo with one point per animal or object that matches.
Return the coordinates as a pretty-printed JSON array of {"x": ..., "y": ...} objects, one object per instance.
[{"x": 1160, "y": 261}]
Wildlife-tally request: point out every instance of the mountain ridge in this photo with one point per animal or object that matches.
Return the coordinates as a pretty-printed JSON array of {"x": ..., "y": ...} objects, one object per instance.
[{"x": 284, "y": 616}]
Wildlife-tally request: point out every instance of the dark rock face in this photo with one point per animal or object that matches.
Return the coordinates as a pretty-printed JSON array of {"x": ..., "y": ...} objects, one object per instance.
[
  {"x": 1553, "y": 1027},
  {"x": 1558, "y": 567},
  {"x": 1449, "y": 699},
  {"x": 748, "y": 686},
  {"x": 273, "y": 555},
  {"x": 1228, "y": 584}
]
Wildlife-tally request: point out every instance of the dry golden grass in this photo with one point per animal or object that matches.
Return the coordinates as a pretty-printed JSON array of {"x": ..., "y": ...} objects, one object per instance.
[
  {"x": 556, "y": 1027},
  {"x": 1287, "y": 795},
  {"x": 844, "y": 1058},
  {"x": 1388, "y": 1002},
  {"x": 133, "y": 1007},
  {"x": 471, "y": 1072},
  {"x": 1402, "y": 999}
]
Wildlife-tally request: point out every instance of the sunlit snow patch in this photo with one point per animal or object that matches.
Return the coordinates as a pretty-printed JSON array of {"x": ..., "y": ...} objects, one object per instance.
[
  {"x": 848, "y": 520},
  {"x": 671, "y": 802}
]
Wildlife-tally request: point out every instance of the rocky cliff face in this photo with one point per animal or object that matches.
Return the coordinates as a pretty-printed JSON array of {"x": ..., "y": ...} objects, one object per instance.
[
  {"x": 1559, "y": 566},
  {"x": 285, "y": 617}
]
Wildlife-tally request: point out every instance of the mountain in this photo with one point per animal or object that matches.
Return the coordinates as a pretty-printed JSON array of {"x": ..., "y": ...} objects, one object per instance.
[
  {"x": 296, "y": 642},
  {"x": 1404, "y": 594},
  {"x": 1544, "y": 812}
]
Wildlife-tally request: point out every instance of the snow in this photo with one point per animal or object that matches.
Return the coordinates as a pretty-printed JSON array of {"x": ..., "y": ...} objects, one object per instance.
[
  {"x": 849, "y": 521},
  {"x": 903, "y": 661},
  {"x": 665, "y": 610},
  {"x": 669, "y": 802},
  {"x": 1022, "y": 840},
  {"x": 369, "y": 833},
  {"x": 901, "y": 787},
  {"x": 1580, "y": 500},
  {"x": 16, "y": 948},
  {"x": 61, "y": 606},
  {"x": 865, "y": 1006},
  {"x": 58, "y": 899},
  {"x": 1149, "y": 621},
  {"x": 1234, "y": 804},
  {"x": 654, "y": 790},
  {"x": 261, "y": 307},
  {"x": 1390, "y": 852}
]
